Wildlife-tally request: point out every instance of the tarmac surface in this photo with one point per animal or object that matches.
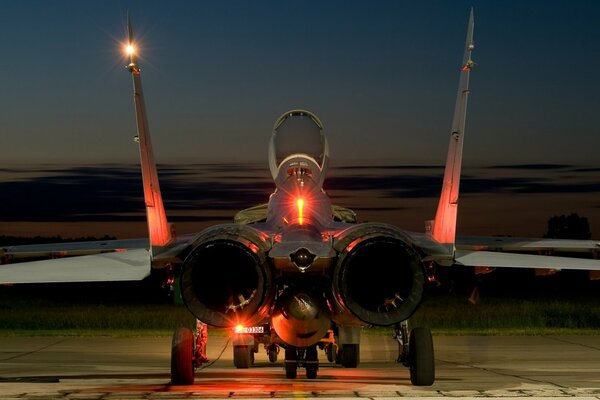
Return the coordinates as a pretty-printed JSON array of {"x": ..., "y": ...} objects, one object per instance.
[{"x": 138, "y": 368}]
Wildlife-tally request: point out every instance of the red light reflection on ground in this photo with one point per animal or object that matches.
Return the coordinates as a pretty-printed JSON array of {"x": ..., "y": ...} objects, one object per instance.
[{"x": 221, "y": 382}]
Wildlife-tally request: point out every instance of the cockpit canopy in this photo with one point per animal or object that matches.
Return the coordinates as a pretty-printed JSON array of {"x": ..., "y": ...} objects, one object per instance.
[{"x": 298, "y": 133}]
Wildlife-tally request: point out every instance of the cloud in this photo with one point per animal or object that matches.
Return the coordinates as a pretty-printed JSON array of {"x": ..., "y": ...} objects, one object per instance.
[
  {"x": 102, "y": 193},
  {"x": 114, "y": 192}
]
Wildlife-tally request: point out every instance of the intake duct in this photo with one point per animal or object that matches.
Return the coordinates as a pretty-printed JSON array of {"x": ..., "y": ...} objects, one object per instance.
[
  {"x": 225, "y": 279},
  {"x": 379, "y": 276}
]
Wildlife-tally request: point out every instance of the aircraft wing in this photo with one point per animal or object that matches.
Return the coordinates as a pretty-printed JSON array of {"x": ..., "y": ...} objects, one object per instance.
[
  {"x": 509, "y": 252},
  {"x": 430, "y": 248},
  {"x": 129, "y": 265},
  {"x": 515, "y": 260},
  {"x": 54, "y": 250},
  {"x": 519, "y": 244}
]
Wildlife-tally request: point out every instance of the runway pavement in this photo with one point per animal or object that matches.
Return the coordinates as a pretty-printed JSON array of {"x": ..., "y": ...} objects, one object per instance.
[{"x": 467, "y": 366}]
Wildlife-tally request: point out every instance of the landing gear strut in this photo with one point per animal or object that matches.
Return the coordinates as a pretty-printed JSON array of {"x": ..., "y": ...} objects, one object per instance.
[
  {"x": 401, "y": 336},
  {"x": 329, "y": 346},
  {"x": 415, "y": 351}
]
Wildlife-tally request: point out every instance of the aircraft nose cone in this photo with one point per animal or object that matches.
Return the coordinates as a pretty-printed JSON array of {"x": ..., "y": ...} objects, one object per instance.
[{"x": 302, "y": 258}]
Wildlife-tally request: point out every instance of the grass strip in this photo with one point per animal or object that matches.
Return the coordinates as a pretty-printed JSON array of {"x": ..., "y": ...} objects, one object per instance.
[{"x": 445, "y": 315}]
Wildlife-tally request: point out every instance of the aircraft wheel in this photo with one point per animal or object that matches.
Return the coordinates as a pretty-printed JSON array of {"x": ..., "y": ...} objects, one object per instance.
[
  {"x": 330, "y": 352},
  {"x": 338, "y": 355},
  {"x": 311, "y": 362},
  {"x": 242, "y": 356},
  {"x": 422, "y": 363},
  {"x": 350, "y": 357},
  {"x": 182, "y": 354},
  {"x": 273, "y": 353},
  {"x": 291, "y": 369},
  {"x": 311, "y": 371},
  {"x": 291, "y": 362}
]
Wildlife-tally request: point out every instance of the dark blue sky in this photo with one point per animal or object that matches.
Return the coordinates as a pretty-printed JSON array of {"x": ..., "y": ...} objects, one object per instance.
[{"x": 381, "y": 75}]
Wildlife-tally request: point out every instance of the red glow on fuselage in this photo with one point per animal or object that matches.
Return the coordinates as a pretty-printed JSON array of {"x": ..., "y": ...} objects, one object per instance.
[
  {"x": 353, "y": 245},
  {"x": 253, "y": 247}
]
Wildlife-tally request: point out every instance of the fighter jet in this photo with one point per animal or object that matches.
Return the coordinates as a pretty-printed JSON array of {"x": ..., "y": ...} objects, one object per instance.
[{"x": 296, "y": 273}]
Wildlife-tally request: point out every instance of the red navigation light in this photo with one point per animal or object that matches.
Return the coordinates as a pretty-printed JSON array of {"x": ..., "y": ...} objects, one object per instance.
[{"x": 300, "y": 205}]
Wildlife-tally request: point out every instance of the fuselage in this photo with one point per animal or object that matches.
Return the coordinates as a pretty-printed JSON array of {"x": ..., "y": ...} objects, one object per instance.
[{"x": 299, "y": 269}]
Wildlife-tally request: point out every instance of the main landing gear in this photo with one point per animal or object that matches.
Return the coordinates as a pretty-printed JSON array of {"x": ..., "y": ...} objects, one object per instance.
[
  {"x": 188, "y": 352},
  {"x": 416, "y": 353},
  {"x": 182, "y": 357},
  {"x": 301, "y": 357}
]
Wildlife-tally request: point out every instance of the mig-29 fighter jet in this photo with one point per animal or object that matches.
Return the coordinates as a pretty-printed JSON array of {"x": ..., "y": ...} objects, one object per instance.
[{"x": 296, "y": 273}]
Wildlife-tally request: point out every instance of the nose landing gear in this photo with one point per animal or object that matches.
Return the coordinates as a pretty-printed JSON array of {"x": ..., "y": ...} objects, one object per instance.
[{"x": 301, "y": 357}]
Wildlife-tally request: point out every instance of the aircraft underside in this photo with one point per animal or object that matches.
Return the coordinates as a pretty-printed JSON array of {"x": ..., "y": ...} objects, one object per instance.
[
  {"x": 299, "y": 328},
  {"x": 301, "y": 303}
]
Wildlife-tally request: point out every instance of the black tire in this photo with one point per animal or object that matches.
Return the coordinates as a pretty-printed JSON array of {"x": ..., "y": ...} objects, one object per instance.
[
  {"x": 338, "y": 356},
  {"x": 182, "y": 354},
  {"x": 350, "y": 357},
  {"x": 422, "y": 363},
  {"x": 311, "y": 371},
  {"x": 291, "y": 362},
  {"x": 330, "y": 352},
  {"x": 291, "y": 369},
  {"x": 311, "y": 362},
  {"x": 273, "y": 354},
  {"x": 242, "y": 356}
]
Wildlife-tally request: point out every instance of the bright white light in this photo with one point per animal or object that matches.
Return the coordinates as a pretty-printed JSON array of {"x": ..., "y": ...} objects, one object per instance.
[{"x": 130, "y": 49}]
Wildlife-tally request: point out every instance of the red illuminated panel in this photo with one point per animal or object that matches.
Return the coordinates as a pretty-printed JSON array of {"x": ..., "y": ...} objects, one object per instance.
[{"x": 248, "y": 329}]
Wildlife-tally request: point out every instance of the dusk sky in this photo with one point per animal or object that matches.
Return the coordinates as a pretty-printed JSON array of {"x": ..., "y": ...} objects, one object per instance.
[{"x": 381, "y": 75}]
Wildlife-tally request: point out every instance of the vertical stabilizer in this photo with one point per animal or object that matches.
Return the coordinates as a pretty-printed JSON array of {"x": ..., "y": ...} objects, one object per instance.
[
  {"x": 444, "y": 225},
  {"x": 158, "y": 228}
]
